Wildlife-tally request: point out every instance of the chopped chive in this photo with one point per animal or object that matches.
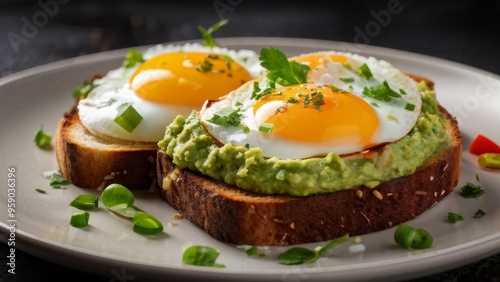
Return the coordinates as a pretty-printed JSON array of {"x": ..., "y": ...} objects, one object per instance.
[
  {"x": 374, "y": 104},
  {"x": 346, "y": 79},
  {"x": 128, "y": 118},
  {"x": 41, "y": 191},
  {"x": 479, "y": 213},
  {"x": 133, "y": 57},
  {"x": 266, "y": 128},
  {"x": 402, "y": 91},
  {"x": 57, "y": 180},
  {"x": 79, "y": 219},
  {"x": 410, "y": 107},
  {"x": 470, "y": 190},
  {"x": 365, "y": 72},
  {"x": 454, "y": 217},
  {"x": 84, "y": 202}
]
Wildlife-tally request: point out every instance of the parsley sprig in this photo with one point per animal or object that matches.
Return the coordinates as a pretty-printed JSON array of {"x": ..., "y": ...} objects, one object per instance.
[
  {"x": 381, "y": 92},
  {"x": 280, "y": 69},
  {"x": 206, "y": 34},
  {"x": 226, "y": 117}
]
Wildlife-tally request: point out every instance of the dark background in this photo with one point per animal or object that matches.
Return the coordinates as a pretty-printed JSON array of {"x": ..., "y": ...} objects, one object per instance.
[{"x": 460, "y": 31}]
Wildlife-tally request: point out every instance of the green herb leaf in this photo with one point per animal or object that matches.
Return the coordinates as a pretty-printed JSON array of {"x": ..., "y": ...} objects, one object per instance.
[
  {"x": 226, "y": 117},
  {"x": 117, "y": 196},
  {"x": 83, "y": 90},
  {"x": 251, "y": 251},
  {"x": 300, "y": 255},
  {"x": 318, "y": 100},
  {"x": 280, "y": 69},
  {"x": 201, "y": 256},
  {"x": 454, "y": 217},
  {"x": 133, "y": 57},
  {"x": 41, "y": 191},
  {"x": 79, "y": 219},
  {"x": 146, "y": 224},
  {"x": 470, "y": 190},
  {"x": 207, "y": 36},
  {"x": 128, "y": 118},
  {"x": 84, "y": 202},
  {"x": 479, "y": 213},
  {"x": 381, "y": 92},
  {"x": 57, "y": 180},
  {"x": 336, "y": 89},
  {"x": 42, "y": 139},
  {"x": 365, "y": 72},
  {"x": 410, "y": 107}
]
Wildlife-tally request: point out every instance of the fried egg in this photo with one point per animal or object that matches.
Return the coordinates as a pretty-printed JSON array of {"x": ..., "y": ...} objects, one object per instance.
[
  {"x": 349, "y": 104},
  {"x": 173, "y": 80}
]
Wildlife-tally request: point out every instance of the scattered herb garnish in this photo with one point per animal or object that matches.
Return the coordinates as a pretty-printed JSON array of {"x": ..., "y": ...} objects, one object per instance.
[
  {"x": 226, "y": 117},
  {"x": 84, "y": 202},
  {"x": 82, "y": 91},
  {"x": 42, "y": 139},
  {"x": 336, "y": 89},
  {"x": 57, "y": 180},
  {"x": 133, "y": 57},
  {"x": 280, "y": 69},
  {"x": 266, "y": 128},
  {"x": 410, "y": 238},
  {"x": 300, "y": 255},
  {"x": 254, "y": 251},
  {"x": 454, "y": 217},
  {"x": 119, "y": 199},
  {"x": 41, "y": 191},
  {"x": 479, "y": 213},
  {"x": 318, "y": 100},
  {"x": 410, "y": 107},
  {"x": 206, "y": 66},
  {"x": 127, "y": 118},
  {"x": 79, "y": 219},
  {"x": 470, "y": 190},
  {"x": 381, "y": 92},
  {"x": 206, "y": 34},
  {"x": 346, "y": 79},
  {"x": 201, "y": 256},
  {"x": 365, "y": 72}
]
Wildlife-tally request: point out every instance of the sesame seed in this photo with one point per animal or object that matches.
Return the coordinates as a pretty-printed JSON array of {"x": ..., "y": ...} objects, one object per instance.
[
  {"x": 177, "y": 216},
  {"x": 284, "y": 237},
  {"x": 432, "y": 177},
  {"x": 124, "y": 171},
  {"x": 112, "y": 173},
  {"x": 435, "y": 194},
  {"x": 389, "y": 194},
  {"x": 442, "y": 192},
  {"x": 389, "y": 223},
  {"x": 420, "y": 193},
  {"x": 377, "y": 194},
  {"x": 171, "y": 223},
  {"x": 445, "y": 167},
  {"x": 292, "y": 225},
  {"x": 108, "y": 177},
  {"x": 166, "y": 183},
  {"x": 278, "y": 220},
  {"x": 359, "y": 193},
  {"x": 367, "y": 219}
]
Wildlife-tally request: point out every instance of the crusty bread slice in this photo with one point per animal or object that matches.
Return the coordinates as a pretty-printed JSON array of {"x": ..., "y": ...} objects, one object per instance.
[
  {"x": 92, "y": 162},
  {"x": 231, "y": 214}
]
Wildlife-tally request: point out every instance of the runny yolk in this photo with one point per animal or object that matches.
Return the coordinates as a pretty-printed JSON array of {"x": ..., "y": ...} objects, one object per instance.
[
  {"x": 343, "y": 118},
  {"x": 187, "y": 78},
  {"x": 313, "y": 60}
]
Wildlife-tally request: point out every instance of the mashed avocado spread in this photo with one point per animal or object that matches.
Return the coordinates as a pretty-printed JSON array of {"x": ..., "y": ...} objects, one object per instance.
[{"x": 190, "y": 147}]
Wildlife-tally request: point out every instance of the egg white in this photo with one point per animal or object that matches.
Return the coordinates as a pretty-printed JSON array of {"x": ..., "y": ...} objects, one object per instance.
[
  {"x": 98, "y": 111},
  {"x": 394, "y": 120}
]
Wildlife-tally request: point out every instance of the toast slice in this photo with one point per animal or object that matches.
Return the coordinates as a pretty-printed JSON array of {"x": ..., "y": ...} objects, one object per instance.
[
  {"x": 237, "y": 216},
  {"x": 91, "y": 162}
]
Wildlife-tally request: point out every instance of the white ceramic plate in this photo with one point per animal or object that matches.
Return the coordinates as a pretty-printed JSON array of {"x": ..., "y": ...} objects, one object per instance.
[{"x": 41, "y": 95}]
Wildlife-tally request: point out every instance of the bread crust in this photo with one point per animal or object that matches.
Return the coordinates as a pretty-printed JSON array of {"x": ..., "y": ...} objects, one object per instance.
[
  {"x": 91, "y": 162},
  {"x": 233, "y": 215}
]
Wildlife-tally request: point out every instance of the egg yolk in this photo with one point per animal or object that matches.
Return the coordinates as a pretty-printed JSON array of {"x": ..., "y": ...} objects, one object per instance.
[
  {"x": 315, "y": 113},
  {"x": 187, "y": 78},
  {"x": 314, "y": 60}
]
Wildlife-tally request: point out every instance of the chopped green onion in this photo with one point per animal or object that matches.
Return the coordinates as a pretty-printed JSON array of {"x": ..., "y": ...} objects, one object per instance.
[
  {"x": 41, "y": 191},
  {"x": 117, "y": 196},
  {"x": 454, "y": 217},
  {"x": 489, "y": 160},
  {"x": 128, "y": 118},
  {"x": 408, "y": 237},
  {"x": 57, "y": 180},
  {"x": 84, "y": 202},
  {"x": 133, "y": 57},
  {"x": 201, "y": 256},
  {"x": 79, "y": 219},
  {"x": 479, "y": 213},
  {"x": 346, "y": 79},
  {"x": 365, "y": 72},
  {"x": 266, "y": 128},
  {"x": 226, "y": 117},
  {"x": 251, "y": 251},
  {"x": 409, "y": 107},
  {"x": 470, "y": 190},
  {"x": 146, "y": 224},
  {"x": 374, "y": 104},
  {"x": 402, "y": 91},
  {"x": 42, "y": 139}
]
